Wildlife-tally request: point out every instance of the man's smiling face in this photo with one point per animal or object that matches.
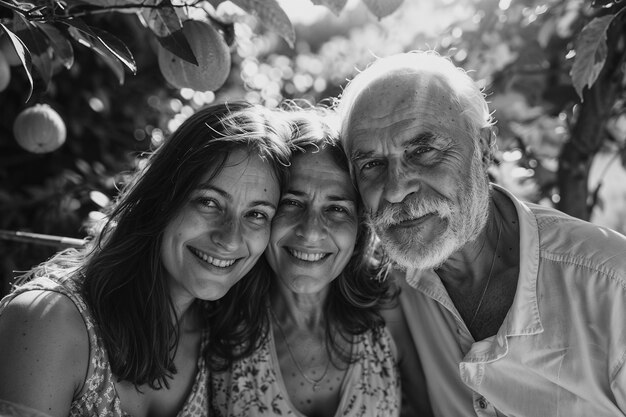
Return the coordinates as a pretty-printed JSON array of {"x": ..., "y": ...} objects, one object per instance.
[{"x": 414, "y": 163}]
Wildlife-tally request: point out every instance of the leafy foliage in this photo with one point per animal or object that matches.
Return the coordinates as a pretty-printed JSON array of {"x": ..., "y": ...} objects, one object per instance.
[{"x": 553, "y": 71}]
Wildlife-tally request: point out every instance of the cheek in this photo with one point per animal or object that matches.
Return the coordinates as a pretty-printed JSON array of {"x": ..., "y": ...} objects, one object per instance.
[
  {"x": 282, "y": 226},
  {"x": 370, "y": 194},
  {"x": 257, "y": 241},
  {"x": 345, "y": 236},
  {"x": 174, "y": 232}
]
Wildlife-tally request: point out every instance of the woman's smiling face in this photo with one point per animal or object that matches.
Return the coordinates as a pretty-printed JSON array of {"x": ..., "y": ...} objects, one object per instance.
[
  {"x": 222, "y": 230},
  {"x": 315, "y": 228}
]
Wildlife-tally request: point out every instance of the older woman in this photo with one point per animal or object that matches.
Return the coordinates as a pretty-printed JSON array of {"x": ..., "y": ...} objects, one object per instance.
[
  {"x": 120, "y": 327},
  {"x": 326, "y": 350}
]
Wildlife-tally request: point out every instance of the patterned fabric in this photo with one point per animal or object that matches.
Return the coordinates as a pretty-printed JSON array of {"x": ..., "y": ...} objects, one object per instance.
[
  {"x": 254, "y": 386},
  {"x": 100, "y": 397}
]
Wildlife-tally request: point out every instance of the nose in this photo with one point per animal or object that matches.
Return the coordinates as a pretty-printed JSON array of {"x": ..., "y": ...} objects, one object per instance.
[
  {"x": 228, "y": 235},
  {"x": 400, "y": 182},
  {"x": 311, "y": 228}
]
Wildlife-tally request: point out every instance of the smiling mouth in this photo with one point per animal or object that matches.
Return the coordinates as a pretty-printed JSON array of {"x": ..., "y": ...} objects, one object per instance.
[
  {"x": 415, "y": 221},
  {"x": 217, "y": 262},
  {"x": 307, "y": 257}
]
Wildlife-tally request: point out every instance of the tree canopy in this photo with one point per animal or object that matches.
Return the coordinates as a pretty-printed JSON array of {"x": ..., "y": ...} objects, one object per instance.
[{"x": 123, "y": 74}]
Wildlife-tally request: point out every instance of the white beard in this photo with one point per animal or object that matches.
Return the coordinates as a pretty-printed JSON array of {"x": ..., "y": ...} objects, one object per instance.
[{"x": 464, "y": 223}]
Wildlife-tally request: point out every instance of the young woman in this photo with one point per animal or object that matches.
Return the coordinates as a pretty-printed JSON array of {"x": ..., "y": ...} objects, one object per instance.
[
  {"x": 122, "y": 327},
  {"x": 326, "y": 351}
]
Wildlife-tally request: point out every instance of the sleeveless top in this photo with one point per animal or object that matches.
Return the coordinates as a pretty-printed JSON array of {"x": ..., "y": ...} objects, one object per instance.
[
  {"x": 100, "y": 397},
  {"x": 254, "y": 386}
]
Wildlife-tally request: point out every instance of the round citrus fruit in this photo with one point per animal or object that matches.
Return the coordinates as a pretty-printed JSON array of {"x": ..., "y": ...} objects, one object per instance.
[
  {"x": 39, "y": 129},
  {"x": 5, "y": 72},
  {"x": 211, "y": 52},
  {"x": 6, "y": 47}
]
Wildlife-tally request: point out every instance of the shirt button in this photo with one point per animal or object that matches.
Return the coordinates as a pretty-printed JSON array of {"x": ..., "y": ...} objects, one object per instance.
[{"x": 482, "y": 403}]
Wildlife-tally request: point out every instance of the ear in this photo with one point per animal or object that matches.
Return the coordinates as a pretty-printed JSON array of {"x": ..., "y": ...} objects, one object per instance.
[{"x": 487, "y": 144}]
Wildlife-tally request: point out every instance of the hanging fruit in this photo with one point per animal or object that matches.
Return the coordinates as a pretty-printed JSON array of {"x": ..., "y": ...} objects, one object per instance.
[
  {"x": 39, "y": 129},
  {"x": 211, "y": 52}
]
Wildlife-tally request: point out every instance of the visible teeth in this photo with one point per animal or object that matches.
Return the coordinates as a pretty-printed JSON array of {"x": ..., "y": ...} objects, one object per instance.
[
  {"x": 309, "y": 257},
  {"x": 220, "y": 263}
]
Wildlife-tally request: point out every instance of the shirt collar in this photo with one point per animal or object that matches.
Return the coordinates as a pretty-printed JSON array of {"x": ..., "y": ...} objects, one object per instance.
[{"x": 523, "y": 317}]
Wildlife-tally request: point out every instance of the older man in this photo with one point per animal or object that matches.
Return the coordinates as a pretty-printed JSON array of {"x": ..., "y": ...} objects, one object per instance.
[{"x": 514, "y": 309}]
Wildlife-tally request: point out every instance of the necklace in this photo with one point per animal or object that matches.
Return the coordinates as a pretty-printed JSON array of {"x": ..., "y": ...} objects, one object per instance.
[
  {"x": 482, "y": 296},
  {"x": 314, "y": 382}
]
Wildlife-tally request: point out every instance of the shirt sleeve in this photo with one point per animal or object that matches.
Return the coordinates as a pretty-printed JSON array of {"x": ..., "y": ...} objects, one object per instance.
[{"x": 618, "y": 385}]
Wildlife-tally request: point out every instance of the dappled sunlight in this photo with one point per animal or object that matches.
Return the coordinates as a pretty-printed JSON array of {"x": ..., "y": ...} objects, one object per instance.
[{"x": 117, "y": 105}]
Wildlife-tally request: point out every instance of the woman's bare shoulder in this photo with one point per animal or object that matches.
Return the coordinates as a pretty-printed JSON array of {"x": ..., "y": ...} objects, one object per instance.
[{"x": 45, "y": 348}]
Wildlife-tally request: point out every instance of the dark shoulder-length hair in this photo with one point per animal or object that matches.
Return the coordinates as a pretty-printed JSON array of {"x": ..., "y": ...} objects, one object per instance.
[
  {"x": 357, "y": 295},
  {"x": 121, "y": 274}
]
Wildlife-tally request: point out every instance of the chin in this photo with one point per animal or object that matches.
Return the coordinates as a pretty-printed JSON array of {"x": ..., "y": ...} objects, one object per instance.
[
  {"x": 419, "y": 255},
  {"x": 213, "y": 293},
  {"x": 307, "y": 286}
]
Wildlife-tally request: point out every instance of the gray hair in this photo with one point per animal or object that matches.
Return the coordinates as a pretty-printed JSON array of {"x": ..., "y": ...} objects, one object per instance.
[{"x": 463, "y": 90}]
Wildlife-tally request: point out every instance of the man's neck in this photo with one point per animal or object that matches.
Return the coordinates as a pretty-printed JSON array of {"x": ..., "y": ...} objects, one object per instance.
[{"x": 481, "y": 278}]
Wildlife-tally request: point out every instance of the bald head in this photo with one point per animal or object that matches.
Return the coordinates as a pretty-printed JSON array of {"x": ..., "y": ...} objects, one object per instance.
[{"x": 428, "y": 77}]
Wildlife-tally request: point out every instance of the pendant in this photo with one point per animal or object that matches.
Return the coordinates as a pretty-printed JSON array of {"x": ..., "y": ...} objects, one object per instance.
[{"x": 316, "y": 387}]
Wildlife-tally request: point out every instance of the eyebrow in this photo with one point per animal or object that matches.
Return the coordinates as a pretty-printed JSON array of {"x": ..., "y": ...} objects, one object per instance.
[
  {"x": 336, "y": 198},
  {"x": 420, "y": 139},
  {"x": 358, "y": 155},
  {"x": 229, "y": 197}
]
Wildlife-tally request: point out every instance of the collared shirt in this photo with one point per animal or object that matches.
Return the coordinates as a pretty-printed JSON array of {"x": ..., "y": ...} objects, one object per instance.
[{"x": 562, "y": 346}]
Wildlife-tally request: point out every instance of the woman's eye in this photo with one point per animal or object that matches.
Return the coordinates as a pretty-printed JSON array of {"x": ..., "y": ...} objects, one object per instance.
[
  {"x": 207, "y": 202},
  {"x": 258, "y": 215},
  {"x": 290, "y": 203}
]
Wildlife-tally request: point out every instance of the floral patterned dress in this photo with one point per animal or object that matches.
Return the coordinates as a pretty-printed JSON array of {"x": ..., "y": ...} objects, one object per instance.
[
  {"x": 254, "y": 386},
  {"x": 99, "y": 398}
]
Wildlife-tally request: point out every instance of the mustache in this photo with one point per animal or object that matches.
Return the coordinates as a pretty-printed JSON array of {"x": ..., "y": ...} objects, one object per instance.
[{"x": 409, "y": 210}]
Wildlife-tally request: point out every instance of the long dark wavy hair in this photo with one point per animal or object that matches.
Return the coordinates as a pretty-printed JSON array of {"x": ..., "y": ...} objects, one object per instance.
[
  {"x": 357, "y": 295},
  {"x": 121, "y": 274}
]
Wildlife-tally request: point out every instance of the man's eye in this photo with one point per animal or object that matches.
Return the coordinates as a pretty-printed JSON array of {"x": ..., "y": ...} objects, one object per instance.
[
  {"x": 339, "y": 210},
  {"x": 420, "y": 151},
  {"x": 370, "y": 165}
]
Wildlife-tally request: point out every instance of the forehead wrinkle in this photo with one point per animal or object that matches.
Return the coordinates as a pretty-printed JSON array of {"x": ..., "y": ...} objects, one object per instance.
[
  {"x": 207, "y": 186},
  {"x": 263, "y": 203},
  {"x": 404, "y": 106}
]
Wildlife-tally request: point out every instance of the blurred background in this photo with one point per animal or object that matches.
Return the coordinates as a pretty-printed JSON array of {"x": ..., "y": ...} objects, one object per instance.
[{"x": 553, "y": 72}]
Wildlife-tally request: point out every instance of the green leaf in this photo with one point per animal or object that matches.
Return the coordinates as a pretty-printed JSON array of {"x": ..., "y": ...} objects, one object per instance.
[
  {"x": 215, "y": 3},
  {"x": 38, "y": 46},
  {"x": 162, "y": 22},
  {"x": 102, "y": 42},
  {"x": 271, "y": 15},
  {"x": 382, "y": 8},
  {"x": 335, "y": 6},
  {"x": 61, "y": 46},
  {"x": 167, "y": 27},
  {"x": 113, "y": 63},
  {"x": 110, "y": 3},
  {"x": 118, "y": 48},
  {"x": 96, "y": 45},
  {"x": 591, "y": 51},
  {"x": 24, "y": 54}
]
